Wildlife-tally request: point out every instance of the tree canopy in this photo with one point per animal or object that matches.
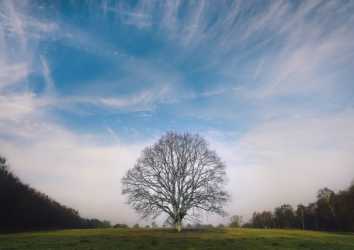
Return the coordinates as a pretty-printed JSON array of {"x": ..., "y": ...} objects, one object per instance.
[{"x": 177, "y": 174}]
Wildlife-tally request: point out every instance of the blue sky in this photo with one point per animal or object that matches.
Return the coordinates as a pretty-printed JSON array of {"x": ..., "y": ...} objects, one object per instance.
[{"x": 85, "y": 86}]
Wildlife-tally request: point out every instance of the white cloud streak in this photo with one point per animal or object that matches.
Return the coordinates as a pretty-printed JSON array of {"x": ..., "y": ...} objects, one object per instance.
[
  {"x": 12, "y": 73},
  {"x": 288, "y": 161},
  {"x": 75, "y": 170},
  {"x": 50, "y": 85},
  {"x": 279, "y": 159}
]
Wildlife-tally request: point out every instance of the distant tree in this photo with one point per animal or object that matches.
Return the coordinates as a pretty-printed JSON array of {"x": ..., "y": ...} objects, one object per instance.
[
  {"x": 221, "y": 225},
  {"x": 198, "y": 225},
  {"x": 166, "y": 224},
  {"x": 3, "y": 166},
  {"x": 236, "y": 221},
  {"x": 154, "y": 225},
  {"x": 311, "y": 216},
  {"x": 120, "y": 226},
  {"x": 203, "y": 226},
  {"x": 326, "y": 209},
  {"x": 327, "y": 197},
  {"x": 264, "y": 219},
  {"x": 173, "y": 176},
  {"x": 107, "y": 224},
  {"x": 344, "y": 207},
  {"x": 248, "y": 224},
  {"x": 331, "y": 212},
  {"x": 300, "y": 215},
  {"x": 136, "y": 226},
  {"x": 95, "y": 223},
  {"x": 284, "y": 216}
]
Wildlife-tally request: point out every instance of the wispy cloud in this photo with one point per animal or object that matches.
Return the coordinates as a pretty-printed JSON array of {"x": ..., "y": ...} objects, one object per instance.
[
  {"x": 12, "y": 73},
  {"x": 270, "y": 83},
  {"x": 298, "y": 43},
  {"x": 92, "y": 171},
  {"x": 145, "y": 100},
  {"x": 16, "y": 106},
  {"x": 281, "y": 160},
  {"x": 16, "y": 21},
  {"x": 50, "y": 85},
  {"x": 20, "y": 34}
]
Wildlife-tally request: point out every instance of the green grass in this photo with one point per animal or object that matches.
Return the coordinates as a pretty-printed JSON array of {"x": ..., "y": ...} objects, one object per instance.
[{"x": 126, "y": 239}]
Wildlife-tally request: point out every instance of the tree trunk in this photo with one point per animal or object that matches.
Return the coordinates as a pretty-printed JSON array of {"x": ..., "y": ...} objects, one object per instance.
[{"x": 178, "y": 226}]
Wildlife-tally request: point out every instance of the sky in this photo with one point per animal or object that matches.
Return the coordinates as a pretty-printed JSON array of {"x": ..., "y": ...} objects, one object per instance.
[{"x": 86, "y": 85}]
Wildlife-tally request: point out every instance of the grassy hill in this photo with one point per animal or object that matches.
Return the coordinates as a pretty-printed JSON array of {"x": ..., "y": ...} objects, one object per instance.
[{"x": 167, "y": 239}]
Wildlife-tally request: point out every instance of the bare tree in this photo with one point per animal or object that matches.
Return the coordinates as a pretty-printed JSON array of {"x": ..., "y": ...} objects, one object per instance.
[
  {"x": 236, "y": 221},
  {"x": 177, "y": 174}
]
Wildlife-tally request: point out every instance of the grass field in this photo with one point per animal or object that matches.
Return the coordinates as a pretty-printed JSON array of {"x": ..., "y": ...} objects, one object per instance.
[{"x": 126, "y": 239}]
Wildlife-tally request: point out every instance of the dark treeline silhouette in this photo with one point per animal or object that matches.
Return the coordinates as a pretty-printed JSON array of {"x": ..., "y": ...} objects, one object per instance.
[
  {"x": 330, "y": 212},
  {"x": 121, "y": 226},
  {"x": 23, "y": 208}
]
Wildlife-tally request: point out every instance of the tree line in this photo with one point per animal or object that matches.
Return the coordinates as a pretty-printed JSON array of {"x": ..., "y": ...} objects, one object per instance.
[
  {"x": 330, "y": 212},
  {"x": 178, "y": 176},
  {"x": 23, "y": 208}
]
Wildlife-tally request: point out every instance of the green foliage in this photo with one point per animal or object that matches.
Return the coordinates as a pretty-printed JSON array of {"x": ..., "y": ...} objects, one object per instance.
[{"x": 161, "y": 239}]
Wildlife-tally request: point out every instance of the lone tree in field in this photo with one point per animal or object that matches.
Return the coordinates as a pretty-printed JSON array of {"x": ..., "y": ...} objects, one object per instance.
[{"x": 176, "y": 175}]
